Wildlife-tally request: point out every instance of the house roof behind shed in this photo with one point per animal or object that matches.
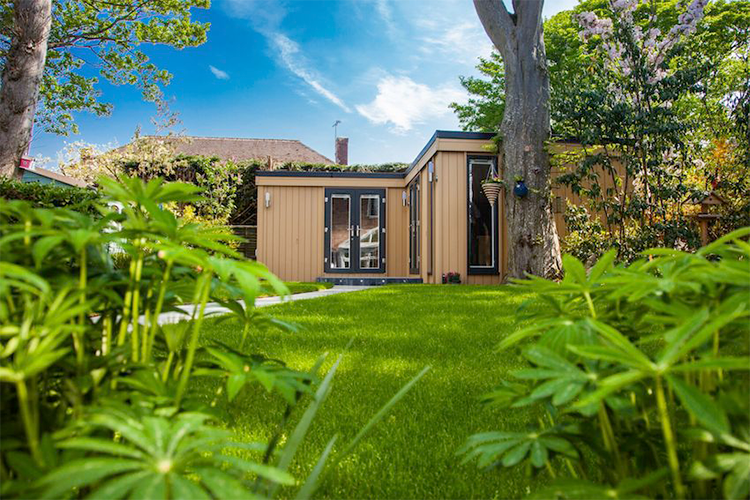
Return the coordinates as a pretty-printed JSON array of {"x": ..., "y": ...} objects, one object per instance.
[
  {"x": 56, "y": 176},
  {"x": 239, "y": 149}
]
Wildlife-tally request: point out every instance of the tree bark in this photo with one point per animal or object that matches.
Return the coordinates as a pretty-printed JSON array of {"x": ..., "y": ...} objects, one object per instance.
[
  {"x": 534, "y": 247},
  {"x": 22, "y": 76}
]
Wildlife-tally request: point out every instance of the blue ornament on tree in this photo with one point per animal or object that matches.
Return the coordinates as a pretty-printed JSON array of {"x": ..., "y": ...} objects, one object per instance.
[{"x": 520, "y": 189}]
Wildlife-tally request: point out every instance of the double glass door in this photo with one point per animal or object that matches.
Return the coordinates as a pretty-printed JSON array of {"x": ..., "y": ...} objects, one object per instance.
[{"x": 355, "y": 230}]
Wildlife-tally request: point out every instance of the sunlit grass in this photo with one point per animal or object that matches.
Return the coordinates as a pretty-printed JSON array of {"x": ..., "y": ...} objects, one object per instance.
[{"x": 396, "y": 330}]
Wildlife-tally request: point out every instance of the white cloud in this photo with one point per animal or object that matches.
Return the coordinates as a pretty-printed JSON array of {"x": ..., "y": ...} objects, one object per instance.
[
  {"x": 261, "y": 13},
  {"x": 290, "y": 55},
  {"x": 402, "y": 102},
  {"x": 385, "y": 11},
  {"x": 463, "y": 41},
  {"x": 266, "y": 17},
  {"x": 221, "y": 75}
]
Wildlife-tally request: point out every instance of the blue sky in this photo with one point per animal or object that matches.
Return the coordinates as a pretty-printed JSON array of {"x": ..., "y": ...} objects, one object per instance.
[{"x": 288, "y": 69}]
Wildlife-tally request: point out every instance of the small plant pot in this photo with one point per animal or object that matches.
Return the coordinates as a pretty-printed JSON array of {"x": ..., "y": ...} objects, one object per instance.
[
  {"x": 492, "y": 191},
  {"x": 451, "y": 279},
  {"x": 520, "y": 189}
]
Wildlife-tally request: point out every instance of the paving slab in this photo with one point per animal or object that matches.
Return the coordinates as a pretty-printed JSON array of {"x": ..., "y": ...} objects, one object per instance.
[{"x": 212, "y": 308}]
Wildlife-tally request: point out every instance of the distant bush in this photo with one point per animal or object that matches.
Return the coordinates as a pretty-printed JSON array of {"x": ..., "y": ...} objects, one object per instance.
[{"x": 48, "y": 195}]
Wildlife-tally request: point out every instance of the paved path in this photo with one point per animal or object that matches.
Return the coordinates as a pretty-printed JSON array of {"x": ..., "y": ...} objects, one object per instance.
[{"x": 212, "y": 308}]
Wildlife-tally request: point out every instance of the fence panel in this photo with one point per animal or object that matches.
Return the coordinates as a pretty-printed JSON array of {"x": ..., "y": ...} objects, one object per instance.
[{"x": 250, "y": 233}]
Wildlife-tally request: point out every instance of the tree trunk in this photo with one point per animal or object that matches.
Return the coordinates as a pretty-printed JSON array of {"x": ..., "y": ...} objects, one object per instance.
[
  {"x": 533, "y": 244},
  {"x": 22, "y": 76}
]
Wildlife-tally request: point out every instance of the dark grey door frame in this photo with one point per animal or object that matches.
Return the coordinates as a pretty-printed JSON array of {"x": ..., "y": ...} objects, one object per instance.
[
  {"x": 355, "y": 195},
  {"x": 414, "y": 226},
  {"x": 495, "y": 223}
]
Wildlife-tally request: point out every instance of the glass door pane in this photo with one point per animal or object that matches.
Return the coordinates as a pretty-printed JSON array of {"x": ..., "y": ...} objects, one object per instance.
[
  {"x": 482, "y": 218},
  {"x": 341, "y": 243},
  {"x": 368, "y": 231}
]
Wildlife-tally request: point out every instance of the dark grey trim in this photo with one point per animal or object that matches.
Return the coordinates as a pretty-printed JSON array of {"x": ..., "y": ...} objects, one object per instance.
[
  {"x": 360, "y": 175},
  {"x": 494, "y": 270},
  {"x": 415, "y": 219},
  {"x": 449, "y": 134},
  {"x": 431, "y": 184},
  {"x": 354, "y": 215}
]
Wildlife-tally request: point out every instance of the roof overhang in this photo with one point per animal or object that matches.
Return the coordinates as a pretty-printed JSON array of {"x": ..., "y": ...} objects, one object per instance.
[{"x": 441, "y": 140}]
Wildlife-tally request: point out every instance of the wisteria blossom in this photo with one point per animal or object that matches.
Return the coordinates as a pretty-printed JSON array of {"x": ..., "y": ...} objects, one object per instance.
[{"x": 652, "y": 44}]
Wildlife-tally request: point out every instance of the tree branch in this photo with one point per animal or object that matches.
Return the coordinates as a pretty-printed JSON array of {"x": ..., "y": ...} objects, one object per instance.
[
  {"x": 529, "y": 13},
  {"x": 497, "y": 22}
]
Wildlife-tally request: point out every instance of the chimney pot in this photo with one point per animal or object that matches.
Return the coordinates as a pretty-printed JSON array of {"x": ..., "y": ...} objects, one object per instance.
[{"x": 342, "y": 150}]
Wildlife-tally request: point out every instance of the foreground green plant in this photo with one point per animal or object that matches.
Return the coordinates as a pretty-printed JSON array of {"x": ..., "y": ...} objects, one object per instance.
[
  {"x": 641, "y": 372},
  {"x": 95, "y": 388}
]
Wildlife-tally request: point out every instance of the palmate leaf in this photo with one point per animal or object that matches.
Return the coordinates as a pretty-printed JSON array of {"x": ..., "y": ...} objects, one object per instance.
[
  {"x": 563, "y": 380},
  {"x": 700, "y": 405},
  {"x": 554, "y": 333},
  {"x": 504, "y": 394},
  {"x": 119, "y": 487},
  {"x": 185, "y": 488},
  {"x": 85, "y": 471},
  {"x": 222, "y": 484},
  {"x": 699, "y": 329},
  {"x": 265, "y": 471},
  {"x": 733, "y": 469},
  {"x": 710, "y": 363},
  {"x": 158, "y": 458},
  {"x": 608, "y": 386},
  {"x": 242, "y": 369},
  {"x": 155, "y": 486},
  {"x": 511, "y": 448},
  {"x": 736, "y": 484},
  {"x": 630, "y": 353},
  {"x": 577, "y": 489}
]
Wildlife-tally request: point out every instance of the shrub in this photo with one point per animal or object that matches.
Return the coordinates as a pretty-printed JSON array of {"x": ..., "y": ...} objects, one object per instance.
[
  {"x": 640, "y": 373},
  {"x": 48, "y": 195}
]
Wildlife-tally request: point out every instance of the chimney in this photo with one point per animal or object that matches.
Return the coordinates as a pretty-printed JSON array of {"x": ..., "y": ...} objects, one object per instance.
[{"x": 342, "y": 150}]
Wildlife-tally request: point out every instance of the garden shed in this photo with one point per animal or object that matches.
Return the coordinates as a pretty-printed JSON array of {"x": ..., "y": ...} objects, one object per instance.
[{"x": 417, "y": 225}]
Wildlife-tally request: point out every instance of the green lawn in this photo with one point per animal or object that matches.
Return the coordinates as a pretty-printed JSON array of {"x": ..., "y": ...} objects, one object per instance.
[{"x": 397, "y": 330}]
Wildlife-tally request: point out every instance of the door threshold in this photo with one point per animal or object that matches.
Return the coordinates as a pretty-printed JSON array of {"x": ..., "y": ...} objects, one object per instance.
[{"x": 368, "y": 281}]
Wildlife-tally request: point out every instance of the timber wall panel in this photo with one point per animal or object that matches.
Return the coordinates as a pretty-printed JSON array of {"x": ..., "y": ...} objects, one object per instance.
[
  {"x": 397, "y": 229},
  {"x": 290, "y": 241}
]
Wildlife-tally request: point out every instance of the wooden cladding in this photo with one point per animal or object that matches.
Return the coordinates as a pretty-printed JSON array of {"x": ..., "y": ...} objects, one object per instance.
[{"x": 291, "y": 218}]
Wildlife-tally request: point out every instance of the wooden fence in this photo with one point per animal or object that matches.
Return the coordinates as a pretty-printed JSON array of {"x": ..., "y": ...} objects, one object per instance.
[{"x": 250, "y": 233}]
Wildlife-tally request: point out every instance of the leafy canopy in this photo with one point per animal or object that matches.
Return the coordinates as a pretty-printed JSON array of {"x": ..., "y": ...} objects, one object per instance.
[{"x": 108, "y": 38}]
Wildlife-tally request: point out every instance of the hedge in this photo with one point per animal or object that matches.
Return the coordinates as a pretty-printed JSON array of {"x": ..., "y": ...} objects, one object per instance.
[{"x": 49, "y": 195}]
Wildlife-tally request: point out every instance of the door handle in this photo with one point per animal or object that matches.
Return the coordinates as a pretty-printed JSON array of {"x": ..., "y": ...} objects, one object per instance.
[{"x": 356, "y": 229}]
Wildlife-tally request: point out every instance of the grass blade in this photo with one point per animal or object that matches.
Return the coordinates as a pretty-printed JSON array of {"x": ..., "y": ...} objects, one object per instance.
[
  {"x": 304, "y": 424},
  {"x": 311, "y": 484},
  {"x": 383, "y": 411}
]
